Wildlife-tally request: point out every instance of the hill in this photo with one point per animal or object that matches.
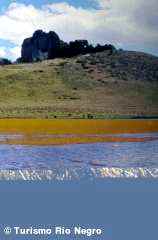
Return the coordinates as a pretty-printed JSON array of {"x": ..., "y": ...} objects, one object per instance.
[{"x": 97, "y": 85}]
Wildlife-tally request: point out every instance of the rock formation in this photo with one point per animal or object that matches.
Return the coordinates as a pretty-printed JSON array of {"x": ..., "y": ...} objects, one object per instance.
[
  {"x": 40, "y": 46},
  {"x": 43, "y": 46}
]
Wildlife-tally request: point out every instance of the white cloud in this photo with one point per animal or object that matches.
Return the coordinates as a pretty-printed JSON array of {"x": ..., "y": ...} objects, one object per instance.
[
  {"x": 11, "y": 52},
  {"x": 14, "y": 52},
  {"x": 2, "y": 52},
  {"x": 121, "y": 22}
]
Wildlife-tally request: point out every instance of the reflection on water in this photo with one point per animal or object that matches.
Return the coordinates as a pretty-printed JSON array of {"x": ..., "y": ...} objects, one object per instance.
[{"x": 118, "y": 152}]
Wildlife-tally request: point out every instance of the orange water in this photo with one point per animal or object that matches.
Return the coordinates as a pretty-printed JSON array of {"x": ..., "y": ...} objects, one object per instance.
[
  {"x": 84, "y": 131},
  {"x": 62, "y": 126}
]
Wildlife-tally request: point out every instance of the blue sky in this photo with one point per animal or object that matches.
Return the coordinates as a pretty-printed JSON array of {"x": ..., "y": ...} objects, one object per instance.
[
  {"x": 38, "y": 3},
  {"x": 128, "y": 24}
]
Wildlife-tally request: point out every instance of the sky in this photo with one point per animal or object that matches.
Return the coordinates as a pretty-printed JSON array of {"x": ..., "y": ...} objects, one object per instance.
[{"x": 127, "y": 24}]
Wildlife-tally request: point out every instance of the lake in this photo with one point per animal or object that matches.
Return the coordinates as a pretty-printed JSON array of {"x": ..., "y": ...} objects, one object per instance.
[
  {"x": 69, "y": 144},
  {"x": 127, "y": 150}
]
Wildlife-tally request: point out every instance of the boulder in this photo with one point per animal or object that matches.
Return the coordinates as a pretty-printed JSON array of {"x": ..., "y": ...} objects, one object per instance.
[{"x": 40, "y": 46}]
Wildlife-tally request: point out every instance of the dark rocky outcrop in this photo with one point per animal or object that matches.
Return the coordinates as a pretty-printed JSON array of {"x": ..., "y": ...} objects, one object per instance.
[
  {"x": 43, "y": 46},
  {"x": 40, "y": 46},
  {"x": 4, "y": 61}
]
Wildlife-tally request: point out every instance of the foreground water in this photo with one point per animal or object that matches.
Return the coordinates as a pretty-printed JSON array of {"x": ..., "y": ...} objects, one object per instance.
[{"x": 117, "y": 150}]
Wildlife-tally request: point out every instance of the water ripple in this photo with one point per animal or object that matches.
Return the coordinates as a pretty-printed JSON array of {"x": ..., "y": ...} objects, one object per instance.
[{"x": 135, "y": 154}]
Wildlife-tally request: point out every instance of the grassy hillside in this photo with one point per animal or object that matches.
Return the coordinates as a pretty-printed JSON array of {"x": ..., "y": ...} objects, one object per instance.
[{"x": 96, "y": 85}]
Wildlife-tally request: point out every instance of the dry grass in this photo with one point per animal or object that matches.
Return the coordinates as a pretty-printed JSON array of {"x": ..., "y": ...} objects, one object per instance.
[{"x": 72, "y": 88}]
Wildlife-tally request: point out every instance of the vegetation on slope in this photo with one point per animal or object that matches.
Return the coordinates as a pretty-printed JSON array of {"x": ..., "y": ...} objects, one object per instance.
[{"x": 124, "y": 84}]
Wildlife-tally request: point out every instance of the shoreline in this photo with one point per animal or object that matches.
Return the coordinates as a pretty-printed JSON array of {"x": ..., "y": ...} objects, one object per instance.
[{"x": 88, "y": 117}]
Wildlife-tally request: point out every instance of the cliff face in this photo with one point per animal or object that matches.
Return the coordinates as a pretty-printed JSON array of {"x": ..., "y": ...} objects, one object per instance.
[{"x": 40, "y": 46}]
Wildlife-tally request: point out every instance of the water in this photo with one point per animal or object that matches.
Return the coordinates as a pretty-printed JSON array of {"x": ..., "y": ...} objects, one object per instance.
[{"x": 124, "y": 154}]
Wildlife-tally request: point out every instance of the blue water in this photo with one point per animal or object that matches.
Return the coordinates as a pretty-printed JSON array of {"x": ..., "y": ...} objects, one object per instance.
[{"x": 118, "y": 154}]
